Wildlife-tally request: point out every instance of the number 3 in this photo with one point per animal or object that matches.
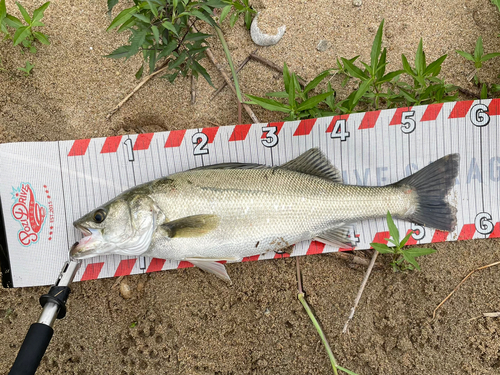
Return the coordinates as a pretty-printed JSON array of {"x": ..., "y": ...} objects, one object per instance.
[{"x": 271, "y": 139}]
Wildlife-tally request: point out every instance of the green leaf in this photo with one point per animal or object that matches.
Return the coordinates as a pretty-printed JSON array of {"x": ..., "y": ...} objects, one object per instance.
[
  {"x": 435, "y": 67},
  {"x": 122, "y": 17},
  {"x": 42, "y": 38},
  {"x": 38, "y": 13},
  {"x": 37, "y": 24},
  {"x": 405, "y": 240},
  {"x": 376, "y": 46},
  {"x": 382, "y": 248},
  {"x": 381, "y": 64},
  {"x": 200, "y": 69},
  {"x": 420, "y": 59},
  {"x": 315, "y": 82},
  {"x": 24, "y": 13},
  {"x": 196, "y": 36},
  {"x": 354, "y": 70},
  {"x": 489, "y": 56},
  {"x": 248, "y": 19},
  {"x": 393, "y": 230},
  {"x": 123, "y": 51},
  {"x": 127, "y": 24},
  {"x": 291, "y": 92},
  {"x": 13, "y": 21},
  {"x": 360, "y": 92},
  {"x": 168, "y": 25},
  {"x": 156, "y": 33},
  {"x": 180, "y": 59},
  {"x": 204, "y": 17},
  {"x": 137, "y": 40},
  {"x": 167, "y": 50},
  {"x": 153, "y": 8},
  {"x": 21, "y": 34},
  {"x": 224, "y": 13},
  {"x": 111, "y": 4},
  {"x": 390, "y": 76},
  {"x": 138, "y": 75},
  {"x": 406, "y": 66},
  {"x": 410, "y": 259},
  {"x": 484, "y": 92},
  {"x": 278, "y": 94},
  {"x": 314, "y": 101},
  {"x": 286, "y": 76},
  {"x": 419, "y": 251},
  {"x": 233, "y": 19},
  {"x": 478, "y": 51},
  {"x": 3, "y": 11},
  {"x": 269, "y": 104},
  {"x": 467, "y": 55},
  {"x": 152, "y": 61},
  {"x": 142, "y": 17}
]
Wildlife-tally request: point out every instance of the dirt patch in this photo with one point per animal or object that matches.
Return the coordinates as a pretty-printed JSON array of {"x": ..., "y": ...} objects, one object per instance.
[{"x": 188, "y": 322}]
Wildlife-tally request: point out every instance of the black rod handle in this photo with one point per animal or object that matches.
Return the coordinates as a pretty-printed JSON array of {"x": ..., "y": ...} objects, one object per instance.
[{"x": 32, "y": 350}]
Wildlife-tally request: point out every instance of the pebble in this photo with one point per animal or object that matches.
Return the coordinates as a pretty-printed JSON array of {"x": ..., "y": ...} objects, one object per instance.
[
  {"x": 357, "y": 3},
  {"x": 125, "y": 290},
  {"x": 322, "y": 45}
]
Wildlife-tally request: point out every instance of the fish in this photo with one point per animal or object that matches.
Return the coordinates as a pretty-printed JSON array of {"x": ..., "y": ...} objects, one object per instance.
[{"x": 225, "y": 212}]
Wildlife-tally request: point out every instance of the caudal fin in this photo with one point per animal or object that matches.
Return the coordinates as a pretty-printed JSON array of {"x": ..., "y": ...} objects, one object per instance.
[{"x": 432, "y": 184}]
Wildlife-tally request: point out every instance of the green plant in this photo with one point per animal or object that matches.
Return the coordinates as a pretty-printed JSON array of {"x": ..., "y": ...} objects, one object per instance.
[
  {"x": 23, "y": 34},
  {"x": 240, "y": 7},
  {"x": 300, "y": 105},
  {"x": 162, "y": 30},
  {"x": 478, "y": 58},
  {"x": 427, "y": 87},
  {"x": 27, "y": 68},
  {"x": 402, "y": 259}
]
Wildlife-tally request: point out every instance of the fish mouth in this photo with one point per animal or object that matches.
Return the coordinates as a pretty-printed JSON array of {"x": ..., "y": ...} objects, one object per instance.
[{"x": 84, "y": 248}]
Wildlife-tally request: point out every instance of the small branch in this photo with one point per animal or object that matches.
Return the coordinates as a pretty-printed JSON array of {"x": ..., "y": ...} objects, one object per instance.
[
  {"x": 114, "y": 110},
  {"x": 354, "y": 259},
  {"x": 273, "y": 66},
  {"x": 225, "y": 83},
  {"x": 210, "y": 55},
  {"x": 472, "y": 94},
  {"x": 461, "y": 282},
  {"x": 193, "y": 90},
  {"x": 361, "y": 289}
]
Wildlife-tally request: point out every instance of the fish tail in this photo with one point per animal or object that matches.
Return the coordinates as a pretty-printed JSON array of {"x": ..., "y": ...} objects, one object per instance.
[{"x": 432, "y": 185}]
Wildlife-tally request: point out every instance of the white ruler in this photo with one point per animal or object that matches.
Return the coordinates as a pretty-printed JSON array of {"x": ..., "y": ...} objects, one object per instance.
[{"x": 47, "y": 185}]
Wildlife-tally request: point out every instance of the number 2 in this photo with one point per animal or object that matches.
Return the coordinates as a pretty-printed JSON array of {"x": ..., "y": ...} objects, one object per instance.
[{"x": 200, "y": 140}]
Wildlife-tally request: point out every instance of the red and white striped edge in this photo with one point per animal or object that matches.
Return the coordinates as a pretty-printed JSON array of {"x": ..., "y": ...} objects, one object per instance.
[{"x": 367, "y": 120}]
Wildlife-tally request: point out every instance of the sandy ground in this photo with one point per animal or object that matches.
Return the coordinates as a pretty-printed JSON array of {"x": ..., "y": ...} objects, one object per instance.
[{"x": 188, "y": 322}]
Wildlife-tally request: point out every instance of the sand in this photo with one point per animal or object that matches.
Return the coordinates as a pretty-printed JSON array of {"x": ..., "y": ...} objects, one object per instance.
[{"x": 188, "y": 322}]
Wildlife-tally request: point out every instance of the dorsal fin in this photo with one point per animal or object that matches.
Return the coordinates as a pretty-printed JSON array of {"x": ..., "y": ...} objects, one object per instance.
[
  {"x": 315, "y": 163},
  {"x": 231, "y": 166}
]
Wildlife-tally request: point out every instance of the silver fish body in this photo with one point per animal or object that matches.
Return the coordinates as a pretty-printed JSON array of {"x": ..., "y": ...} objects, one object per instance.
[{"x": 227, "y": 212}]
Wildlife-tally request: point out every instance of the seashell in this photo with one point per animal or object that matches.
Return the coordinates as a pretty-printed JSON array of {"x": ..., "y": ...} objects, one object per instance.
[{"x": 262, "y": 39}]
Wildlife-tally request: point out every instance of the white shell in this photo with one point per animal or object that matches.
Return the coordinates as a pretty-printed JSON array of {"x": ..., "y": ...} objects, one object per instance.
[{"x": 262, "y": 39}]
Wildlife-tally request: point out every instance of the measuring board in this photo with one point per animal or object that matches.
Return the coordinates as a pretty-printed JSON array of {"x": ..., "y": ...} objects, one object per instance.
[{"x": 47, "y": 185}]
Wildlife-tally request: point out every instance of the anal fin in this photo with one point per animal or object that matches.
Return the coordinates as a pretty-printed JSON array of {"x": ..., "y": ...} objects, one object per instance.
[
  {"x": 338, "y": 236},
  {"x": 212, "y": 266}
]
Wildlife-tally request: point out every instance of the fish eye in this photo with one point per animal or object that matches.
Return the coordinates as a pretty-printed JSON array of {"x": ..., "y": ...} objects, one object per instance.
[{"x": 99, "y": 216}]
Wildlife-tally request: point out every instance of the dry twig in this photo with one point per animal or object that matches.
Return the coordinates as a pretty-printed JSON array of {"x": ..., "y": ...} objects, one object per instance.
[
  {"x": 211, "y": 56},
  {"x": 355, "y": 260},
  {"x": 272, "y": 66},
  {"x": 193, "y": 90},
  {"x": 461, "y": 282},
  {"x": 361, "y": 289},
  {"x": 114, "y": 110},
  {"x": 225, "y": 83}
]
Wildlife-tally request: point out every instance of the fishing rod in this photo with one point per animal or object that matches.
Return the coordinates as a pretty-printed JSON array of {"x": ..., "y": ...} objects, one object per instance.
[{"x": 40, "y": 333}]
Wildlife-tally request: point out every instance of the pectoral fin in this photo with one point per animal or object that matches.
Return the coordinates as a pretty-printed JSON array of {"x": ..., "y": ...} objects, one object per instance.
[
  {"x": 212, "y": 266},
  {"x": 337, "y": 237},
  {"x": 191, "y": 226}
]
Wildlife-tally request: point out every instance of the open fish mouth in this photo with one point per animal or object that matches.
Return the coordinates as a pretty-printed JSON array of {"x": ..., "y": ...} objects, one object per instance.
[
  {"x": 85, "y": 231},
  {"x": 84, "y": 248}
]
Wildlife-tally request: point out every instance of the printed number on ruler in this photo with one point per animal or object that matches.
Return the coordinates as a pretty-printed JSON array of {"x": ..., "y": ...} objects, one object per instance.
[
  {"x": 418, "y": 232},
  {"x": 483, "y": 223},
  {"x": 130, "y": 149},
  {"x": 339, "y": 130},
  {"x": 479, "y": 116},
  {"x": 408, "y": 122},
  {"x": 200, "y": 140},
  {"x": 271, "y": 139}
]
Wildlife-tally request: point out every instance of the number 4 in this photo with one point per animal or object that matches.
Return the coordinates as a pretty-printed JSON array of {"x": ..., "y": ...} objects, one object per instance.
[{"x": 339, "y": 130}]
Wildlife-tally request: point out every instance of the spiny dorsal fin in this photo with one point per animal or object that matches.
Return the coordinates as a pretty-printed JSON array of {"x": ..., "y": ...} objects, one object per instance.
[
  {"x": 231, "y": 166},
  {"x": 191, "y": 226},
  {"x": 315, "y": 163}
]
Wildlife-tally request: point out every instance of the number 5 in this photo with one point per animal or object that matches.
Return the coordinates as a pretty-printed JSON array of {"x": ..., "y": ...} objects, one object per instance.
[{"x": 408, "y": 121}]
